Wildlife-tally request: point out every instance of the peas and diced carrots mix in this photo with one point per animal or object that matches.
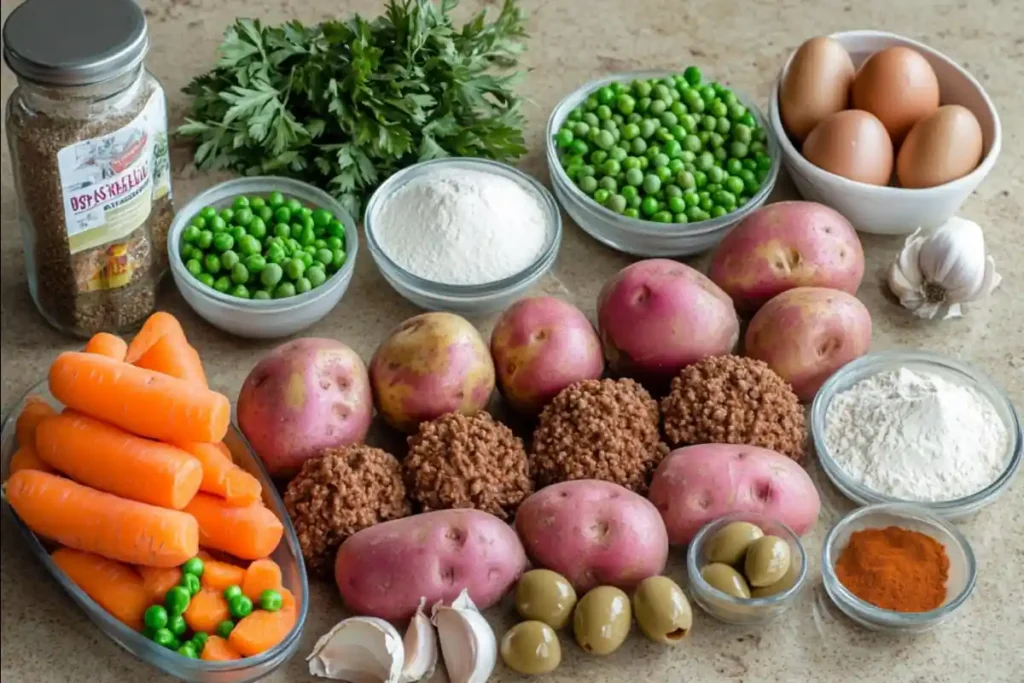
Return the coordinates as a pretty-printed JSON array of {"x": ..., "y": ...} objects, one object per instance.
[
  {"x": 668, "y": 150},
  {"x": 142, "y": 412},
  {"x": 263, "y": 247}
]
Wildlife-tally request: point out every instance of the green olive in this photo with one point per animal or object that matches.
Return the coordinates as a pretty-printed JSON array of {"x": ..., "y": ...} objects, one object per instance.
[
  {"x": 784, "y": 584},
  {"x": 661, "y": 610},
  {"x": 531, "y": 648},
  {"x": 544, "y": 595},
  {"x": 767, "y": 561},
  {"x": 601, "y": 620},
  {"x": 726, "y": 579},
  {"x": 729, "y": 544}
]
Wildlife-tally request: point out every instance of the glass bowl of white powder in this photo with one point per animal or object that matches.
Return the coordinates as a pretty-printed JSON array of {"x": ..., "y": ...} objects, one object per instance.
[
  {"x": 916, "y": 427},
  {"x": 462, "y": 235}
]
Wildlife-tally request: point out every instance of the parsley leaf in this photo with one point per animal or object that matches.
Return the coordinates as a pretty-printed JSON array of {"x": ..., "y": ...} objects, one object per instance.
[{"x": 345, "y": 104}]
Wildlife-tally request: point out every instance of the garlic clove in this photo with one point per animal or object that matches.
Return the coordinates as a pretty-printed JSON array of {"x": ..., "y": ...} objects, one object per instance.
[
  {"x": 420, "y": 647},
  {"x": 468, "y": 643},
  {"x": 359, "y": 650},
  {"x": 953, "y": 257}
]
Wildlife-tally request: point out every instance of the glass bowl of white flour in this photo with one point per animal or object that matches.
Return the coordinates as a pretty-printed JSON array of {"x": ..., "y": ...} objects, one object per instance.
[
  {"x": 463, "y": 235},
  {"x": 916, "y": 427}
]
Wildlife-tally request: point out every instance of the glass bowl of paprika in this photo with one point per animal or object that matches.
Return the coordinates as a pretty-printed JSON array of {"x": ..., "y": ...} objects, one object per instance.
[{"x": 896, "y": 567}]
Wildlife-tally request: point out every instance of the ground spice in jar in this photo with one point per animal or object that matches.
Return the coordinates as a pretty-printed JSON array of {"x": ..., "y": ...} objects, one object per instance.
[
  {"x": 87, "y": 128},
  {"x": 895, "y": 569}
]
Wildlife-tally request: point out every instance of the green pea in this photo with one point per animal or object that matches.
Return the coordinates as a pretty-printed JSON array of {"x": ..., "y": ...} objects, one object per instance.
[
  {"x": 217, "y": 224},
  {"x": 616, "y": 203},
  {"x": 638, "y": 146},
  {"x": 676, "y": 205},
  {"x": 303, "y": 285},
  {"x": 269, "y": 277},
  {"x": 225, "y": 627},
  {"x": 275, "y": 199},
  {"x": 705, "y": 203},
  {"x": 734, "y": 184},
  {"x": 239, "y": 274},
  {"x": 257, "y": 228},
  {"x": 260, "y": 295},
  {"x": 715, "y": 174},
  {"x": 662, "y": 217},
  {"x": 631, "y": 213},
  {"x": 208, "y": 212},
  {"x": 174, "y": 644},
  {"x": 198, "y": 221},
  {"x": 212, "y": 263},
  {"x": 194, "y": 267},
  {"x": 315, "y": 275},
  {"x": 271, "y": 600},
  {"x": 563, "y": 138},
  {"x": 188, "y": 650},
  {"x": 222, "y": 284},
  {"x": 601, "y": 195},
  {"x": 718, "y": 211},
  {"x": 190, "y": 582},
  {"x": 282, "y": 291},
  {"x": 240, "y": 292},
  {"x": 206, "y": 279},
  {"x": 664, "y": 173},
  {"x": 652, "y": 183},
  {"x": 205, "y": 239},
  {"x": 190, "y": 233},
  {"x": 282, "y": 230},
  {"x": 649, "y": 206},
  {"x": 608, "y": 183},
  {"x": 283, "y": 214},
  {"x": 692, "y": 75},
  {"x": 163, "y": 637},
  {"x": 695, "y": 214},
  {"x": 228, "y": 260},
  {"x": 588, "y": 184},
  {"x": 294, "y": 268},
  {"x": 634, "y": 177},
  {"x": 175, "y": 623},
  {"x": 294, "y": 205},
  {"x": 738, "y": 149},
  {"x": 222, "y": 241},
  {"x": 241, "y": 202},
  {"x": 725, "y": 199},
  {"x": 324, "y": 256},
  {"x": 579, "y": 147},
  {"x": 691, "y": 198},
  {"x": 276, "y": 254},
  {"x": 737, "y": 112},
  {"x": 155, "y": 617}
]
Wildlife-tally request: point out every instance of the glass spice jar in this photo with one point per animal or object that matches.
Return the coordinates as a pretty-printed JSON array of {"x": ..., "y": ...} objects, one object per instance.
[{"x": 87, "y": 130}]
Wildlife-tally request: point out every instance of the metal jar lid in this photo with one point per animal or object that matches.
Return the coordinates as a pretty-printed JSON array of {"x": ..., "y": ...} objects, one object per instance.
[{"x": 75, "y": 42}]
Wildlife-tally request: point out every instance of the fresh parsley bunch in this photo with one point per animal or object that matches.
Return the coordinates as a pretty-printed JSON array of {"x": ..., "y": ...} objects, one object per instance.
[{"x": 345, "y": 104}]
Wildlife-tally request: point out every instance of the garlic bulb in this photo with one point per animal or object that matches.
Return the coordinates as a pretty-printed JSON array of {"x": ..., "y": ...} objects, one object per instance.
[
  {"x": 420, "y": 647},
  {"x": 468, "y": 643},
  {"x": 940, "y": 269},
  {"x": 359, "y": 650}
]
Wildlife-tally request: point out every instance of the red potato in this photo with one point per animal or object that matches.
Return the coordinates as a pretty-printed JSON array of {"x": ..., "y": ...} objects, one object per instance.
[
  {"x": 806, "y": 334},
  {"x": 431, "y": 364},
  {"x": 302, "y": 397},
  {"x": 384, "y": 570},
  {"x": 657, "y": 316},
  {"x": 697, "y": 484},
  {"x": 594, "y": 533},
  {"x": 541, "y": 345},
  {"x": 785, "y": 245}
]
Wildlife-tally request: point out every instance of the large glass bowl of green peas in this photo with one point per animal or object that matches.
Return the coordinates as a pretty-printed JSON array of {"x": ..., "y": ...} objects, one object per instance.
[
  {"x": 659, "y": 163},
  {"x": 263, "y": 257}
]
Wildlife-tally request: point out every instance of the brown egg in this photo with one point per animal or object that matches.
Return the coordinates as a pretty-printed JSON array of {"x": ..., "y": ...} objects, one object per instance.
[
  {"x": 816, "y": 85},
  {"x": 898, "y": 86},
  {"x": 943, "y": 147},
  {"x": 852, "y": 144}
]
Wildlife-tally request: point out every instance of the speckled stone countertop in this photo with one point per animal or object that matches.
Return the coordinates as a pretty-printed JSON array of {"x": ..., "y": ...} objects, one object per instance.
[{"x": 45, "y": 639}]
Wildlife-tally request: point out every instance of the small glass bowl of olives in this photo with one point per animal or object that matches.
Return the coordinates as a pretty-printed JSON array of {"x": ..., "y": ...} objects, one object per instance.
[{"x": 746, "y": 568}]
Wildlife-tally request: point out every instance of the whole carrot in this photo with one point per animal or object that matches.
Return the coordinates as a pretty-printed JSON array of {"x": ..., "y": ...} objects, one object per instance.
[
  {"x": 140, "y": 401},
  {"x": 82, "y": 518},
  {"x": 223, "y": 478},
  {"x": 109, "y": 345},
  {"x": 156, "y": 326},
  {"x": 26, "y": 458},
  {"x": 35, "y": 411},
  {"x": 248, "y": 533},
  {"x": 110, "y": 459},
  {"x": 115, "y": 586},
  {"x": 172, "y": 355}
]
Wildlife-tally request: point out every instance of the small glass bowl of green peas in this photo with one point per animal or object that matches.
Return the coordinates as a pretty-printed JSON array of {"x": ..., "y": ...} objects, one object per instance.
[
  {"x": 263, "y": 257},
  {"x": 658, "y": 163}
]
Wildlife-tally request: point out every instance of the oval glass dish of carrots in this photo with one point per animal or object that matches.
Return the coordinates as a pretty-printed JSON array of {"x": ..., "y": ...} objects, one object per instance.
[{"x": 126, "y": 478}]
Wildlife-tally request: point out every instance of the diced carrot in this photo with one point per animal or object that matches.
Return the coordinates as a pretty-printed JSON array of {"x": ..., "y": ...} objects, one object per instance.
[
  {"x": 110, "y": 459},
  {"x": 26, "y": 458},
  {"x": 140, "y": 401},
  {"x": 262, "y": 630},
  {"x": 115, "y": 586},
  {"x": 82, "y": 518},
  {"x": 287, "y": 599},
  {"x": 155, "y": 327},
  {"x": 219, "y": 575},
  {"x": 35, "y": 411},
  {"x": 159, "y": 580},
  {"x": 109, "y": 345},
  {"x": 172, "y": 355},
  {"x": 261, "y": 575},
  {"x": 206, "y": 609},
  {"x": 222, "y": 477},
  {"x": 223, "y": 448},
  {"x": 218, "y": 650},
  {"x": 249, "y": 533}
]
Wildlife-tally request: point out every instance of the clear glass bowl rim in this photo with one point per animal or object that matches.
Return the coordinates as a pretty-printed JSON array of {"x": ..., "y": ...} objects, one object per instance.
[
  {"x": 862, "y": 494},
  {"x": 431, "y": 289},
  {"x": 250, "y": 185},
  {"x": 693, "y": 571},
  {"x": 886, "y": 617},
  {"x": 635, "y": 225},
  {"x": 155, "y": 655}
]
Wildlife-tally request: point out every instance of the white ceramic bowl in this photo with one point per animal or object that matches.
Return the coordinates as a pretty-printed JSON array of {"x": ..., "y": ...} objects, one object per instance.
[
  {"x": 894, "y": 210},
  {"x": 632, "y": 235},
  {"x": 469, "y": 300},
  {"x": 262, "y": 319},
  {"x": 963, "y": 569}
]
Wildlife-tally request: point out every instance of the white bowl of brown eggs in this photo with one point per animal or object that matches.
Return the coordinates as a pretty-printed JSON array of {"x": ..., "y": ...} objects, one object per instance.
[{"x": 889, "y": 132}]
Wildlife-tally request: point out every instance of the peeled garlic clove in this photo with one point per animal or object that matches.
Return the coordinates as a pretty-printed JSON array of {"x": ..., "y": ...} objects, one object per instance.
[
  {"x": 359, "y": 650},
  {"x": 420, "y": 647},
  {"x": 468, "y": 644}
]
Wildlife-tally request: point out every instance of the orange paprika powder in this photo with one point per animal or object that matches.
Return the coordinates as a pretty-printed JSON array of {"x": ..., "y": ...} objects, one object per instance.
[{"x": 895, "y": 569}]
